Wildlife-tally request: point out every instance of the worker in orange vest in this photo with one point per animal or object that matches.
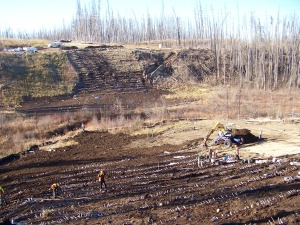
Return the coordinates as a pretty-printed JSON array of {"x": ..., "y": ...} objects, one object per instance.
[
  {"x": 237, "y": 152},
  {"x": 101, "y": 179}
]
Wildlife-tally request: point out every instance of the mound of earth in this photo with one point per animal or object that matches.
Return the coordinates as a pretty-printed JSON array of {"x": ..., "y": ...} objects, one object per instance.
[{"x": 247, "y": 136}]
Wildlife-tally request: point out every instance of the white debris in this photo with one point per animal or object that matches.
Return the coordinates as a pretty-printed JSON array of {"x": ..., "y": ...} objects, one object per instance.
[
  {"x": 291, "y": 178},
  {"x": 260, "y": 161},
  {"x": 277, "y": 160},
  {"x": 214, "y": 219},
  {"x": 179, "y": 157},
  {"x": 231, "y": 160},
  {"x": 295, "y": 163}
]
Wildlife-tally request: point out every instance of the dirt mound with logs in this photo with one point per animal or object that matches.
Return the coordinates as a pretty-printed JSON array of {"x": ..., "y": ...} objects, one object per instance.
[{"x": 246, "y": 134}]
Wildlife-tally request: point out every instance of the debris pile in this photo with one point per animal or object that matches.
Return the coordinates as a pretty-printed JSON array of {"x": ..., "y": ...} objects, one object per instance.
[{"x": 247, "y": 136}]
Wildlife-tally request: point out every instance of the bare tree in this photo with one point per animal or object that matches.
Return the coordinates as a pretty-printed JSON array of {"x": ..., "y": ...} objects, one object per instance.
[{"x": 178, "y": 31}]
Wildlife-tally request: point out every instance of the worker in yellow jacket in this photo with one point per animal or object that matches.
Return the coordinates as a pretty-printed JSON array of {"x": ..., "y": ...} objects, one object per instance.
[
  {"x": 2, "y": 199},
  {"x": 56, "y": 190},
  {"x": 1, "y": 191}
]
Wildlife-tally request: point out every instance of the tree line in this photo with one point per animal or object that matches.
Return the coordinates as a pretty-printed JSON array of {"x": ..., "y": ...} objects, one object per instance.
[{"x": 263, "y": 53}]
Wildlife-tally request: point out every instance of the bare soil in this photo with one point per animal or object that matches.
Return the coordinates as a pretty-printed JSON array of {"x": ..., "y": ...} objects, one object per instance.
[
  {"x": 152, "y": 178},
  {"x": 156, "y": 179}
]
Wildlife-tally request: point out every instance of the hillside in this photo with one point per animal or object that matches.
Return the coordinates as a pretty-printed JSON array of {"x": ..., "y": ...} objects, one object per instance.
[
  {"x": 25, "y": 76},
  {"x": 103, "y": 69},
  {"x": 79, "y": 69}
]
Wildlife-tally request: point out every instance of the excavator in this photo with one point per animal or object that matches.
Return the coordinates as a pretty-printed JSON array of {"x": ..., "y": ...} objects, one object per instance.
[{"x": 225, "y": 135}]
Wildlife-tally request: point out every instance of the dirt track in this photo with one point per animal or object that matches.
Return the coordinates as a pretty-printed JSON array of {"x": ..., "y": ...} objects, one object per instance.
[{"x": 151, "y": 181}]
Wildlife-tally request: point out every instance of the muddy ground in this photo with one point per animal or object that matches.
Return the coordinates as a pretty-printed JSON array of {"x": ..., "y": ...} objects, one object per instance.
[{"x": 156, "y": 179}]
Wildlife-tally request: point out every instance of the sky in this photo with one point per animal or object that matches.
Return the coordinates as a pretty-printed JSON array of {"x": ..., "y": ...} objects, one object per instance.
[{"x": 30, "y": 15}]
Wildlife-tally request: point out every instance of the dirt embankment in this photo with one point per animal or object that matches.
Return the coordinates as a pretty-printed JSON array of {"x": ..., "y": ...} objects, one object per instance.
[{"x": 100, "y": 71}]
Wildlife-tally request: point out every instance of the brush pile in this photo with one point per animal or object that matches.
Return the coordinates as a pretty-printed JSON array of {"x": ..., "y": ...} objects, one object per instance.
[{"x": 246, "y": 134}]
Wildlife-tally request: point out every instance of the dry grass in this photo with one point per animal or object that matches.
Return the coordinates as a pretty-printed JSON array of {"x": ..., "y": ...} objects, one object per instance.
[
  {"x": 19, "y": 133},
  {"x": 275, "y": 105},
  {"x": 23, "y": 42},
  {"x": 46, "y": 74},
  {"x": 159, "y": 128},
  {"x": 120, "y": 124},
  {"x": 233, "y": 103},
  {"x": 186, "y": 92}
]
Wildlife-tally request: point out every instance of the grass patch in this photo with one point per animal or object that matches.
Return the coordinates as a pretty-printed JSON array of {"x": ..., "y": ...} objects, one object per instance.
[
  {"x": 34, "y": 75},
  {"x": 6, "y": 43},
  {"x": 188, "y": 93},
  {"x": 17, "y": 132}
]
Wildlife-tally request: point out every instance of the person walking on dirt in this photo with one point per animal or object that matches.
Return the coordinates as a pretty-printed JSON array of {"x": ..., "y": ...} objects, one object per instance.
[
  {"x": 204, "y": 144},
  {"x": 237, "y": 152},
  {"x": 200, "y": 160},
  {"x": 83, "y": 127},
  {"x": 56, "y": 190},
  {"x": 260, "y": 135},
  {"x": 1, "y": 192},
  {"x": 2, "y": 199},
  {"x": 144, "y": 78},
  {"x": 210, "y": 155},
  {"x": 101, "y": 179}
]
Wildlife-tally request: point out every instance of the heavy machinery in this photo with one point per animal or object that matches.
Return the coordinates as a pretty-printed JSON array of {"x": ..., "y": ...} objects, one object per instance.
[{"x": 225, "y": 136}]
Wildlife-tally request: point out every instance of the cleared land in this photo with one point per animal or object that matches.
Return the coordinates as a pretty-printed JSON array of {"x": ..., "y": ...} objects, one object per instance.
[
  {"x": 152, "y": 173},
  {"x": 156, "y": 180}
]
